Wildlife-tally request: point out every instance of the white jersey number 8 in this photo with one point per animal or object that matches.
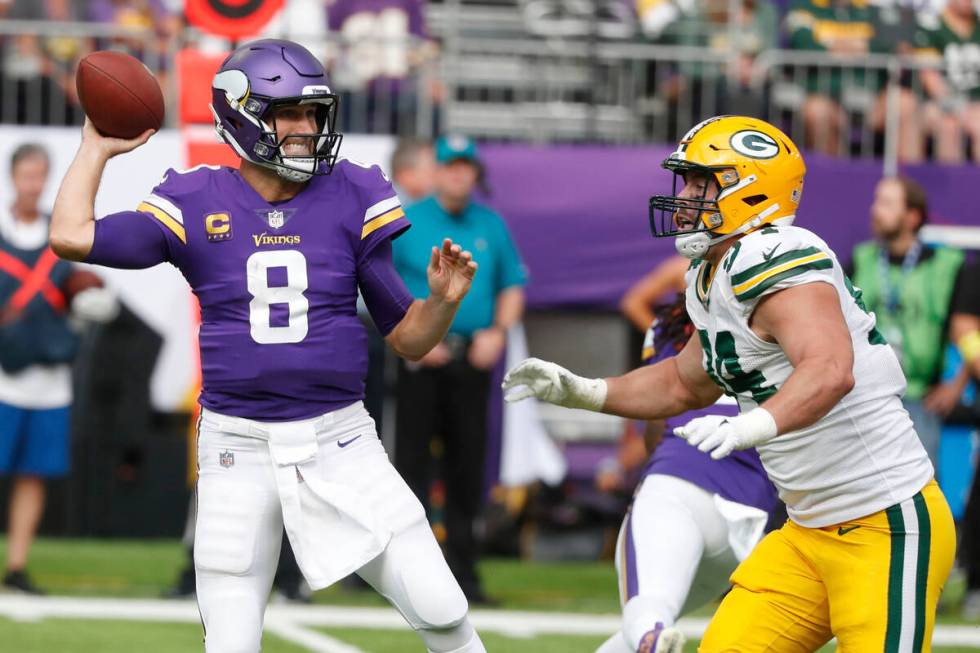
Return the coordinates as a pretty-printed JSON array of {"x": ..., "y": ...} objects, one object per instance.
[{"x": 264, "y": 295}]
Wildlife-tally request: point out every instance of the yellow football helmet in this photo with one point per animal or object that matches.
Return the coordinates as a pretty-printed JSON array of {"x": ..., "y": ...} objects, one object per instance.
[{"x": 760, "y": 179}]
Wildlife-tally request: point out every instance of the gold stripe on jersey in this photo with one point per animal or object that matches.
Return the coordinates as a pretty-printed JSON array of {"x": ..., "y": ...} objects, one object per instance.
[
  {"x": 703, "y": 282},
  {"x": 745, "y": 287},
  {"x": 165, "y": 218},
  {"x": 381, "y": 220}
]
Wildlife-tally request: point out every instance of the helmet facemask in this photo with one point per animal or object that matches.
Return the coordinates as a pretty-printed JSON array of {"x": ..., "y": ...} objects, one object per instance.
[
  {"x": 693, "y": 234},
  {"x": 244, "y": 120},
  {"x": 270, "y": 150},
  {"x": 708, "y": 226},
  {"x": 666, "y": 210},
  {"x": 759, "y": 175}
]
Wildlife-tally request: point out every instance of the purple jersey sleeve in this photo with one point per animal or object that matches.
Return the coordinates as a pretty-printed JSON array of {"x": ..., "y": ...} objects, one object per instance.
[
  {"x": 385, "y": 294},
  {"x": 383, "y": 218},
  {"x": 129, "y": 240},
  {"x": 153, "y": 233}
]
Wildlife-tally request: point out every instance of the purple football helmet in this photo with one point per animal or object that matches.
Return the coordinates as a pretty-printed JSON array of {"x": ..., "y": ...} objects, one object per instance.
[{"x": 257, "y": 78}]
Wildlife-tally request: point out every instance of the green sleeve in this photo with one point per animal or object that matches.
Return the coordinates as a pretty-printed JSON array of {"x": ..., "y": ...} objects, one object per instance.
[{"x": 799, "y": 26}]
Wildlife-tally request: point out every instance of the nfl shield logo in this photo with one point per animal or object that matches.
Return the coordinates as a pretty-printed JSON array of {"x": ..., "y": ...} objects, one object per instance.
[
  {"x": 226, "y": 459},
  {"x": 276, "y": 219}
]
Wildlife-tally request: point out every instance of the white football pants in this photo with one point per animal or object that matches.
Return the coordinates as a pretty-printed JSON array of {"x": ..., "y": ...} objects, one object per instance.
[
  {"x": 673, "y": 555},
  {"x": 345, "y": 508}
]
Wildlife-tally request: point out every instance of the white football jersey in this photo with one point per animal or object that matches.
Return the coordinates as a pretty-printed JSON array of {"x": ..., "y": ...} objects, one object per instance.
[{"x": 864, "y": 455}]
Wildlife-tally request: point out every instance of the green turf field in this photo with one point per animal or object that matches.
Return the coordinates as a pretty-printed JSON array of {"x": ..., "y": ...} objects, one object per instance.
[
  {"x": 143, "y": 569},
  {"x": 90, "y": 636}
]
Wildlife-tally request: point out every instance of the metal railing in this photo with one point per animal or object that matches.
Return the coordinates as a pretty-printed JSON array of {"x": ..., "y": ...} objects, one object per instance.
[
  {"x": 554, "y": 90},
  {"x": 875, "y": 100},
  {"x": 526, "y": 87},
  {"x": 548, "y": 90},
  {"x": 38, "y": 88}
]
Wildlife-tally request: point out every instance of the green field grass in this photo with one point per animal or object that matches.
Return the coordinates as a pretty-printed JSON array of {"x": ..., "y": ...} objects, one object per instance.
[
  {"x": 97, "y": 636},
  {"x": 92, "y": 636},
  {"x": 400, "y": 642},
  {"x": 144, "y": 569}
]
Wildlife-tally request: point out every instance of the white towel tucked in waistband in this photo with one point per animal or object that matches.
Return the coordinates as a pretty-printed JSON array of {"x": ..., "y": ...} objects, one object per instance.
[{"x": 746, "y": 525}]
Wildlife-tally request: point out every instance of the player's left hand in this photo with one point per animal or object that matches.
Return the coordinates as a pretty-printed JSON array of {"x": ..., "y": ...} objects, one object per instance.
[
  {"x": 450, "y": 272},
  {"x": 720, "y": 435}
]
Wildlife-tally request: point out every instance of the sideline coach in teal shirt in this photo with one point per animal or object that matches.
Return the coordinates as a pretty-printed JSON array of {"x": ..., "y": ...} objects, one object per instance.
[{"x": 445, "y": 394}]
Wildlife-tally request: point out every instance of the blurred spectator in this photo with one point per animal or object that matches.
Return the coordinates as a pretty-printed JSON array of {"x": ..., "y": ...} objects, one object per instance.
[
  {"x": 152, "y": 22},
  {"x": 965, "y": 332},
  {"x": 302, "y": 21},
  {"x": 954, "y": 94},
  {"x": 413, "y": 169},
  {"x": 37, "y": 345},
  {"x": 896, "y": 21},
  {"x": 908, "y": 285},
  {"x": 38, "y": 76},
  {"x": 445, "y": 396},
  {"x": 846, "y": 29},
  {"x": 707, "y": 24},
  {"x": 383, "y": 44},
  {"x": 657, "y": 15}
]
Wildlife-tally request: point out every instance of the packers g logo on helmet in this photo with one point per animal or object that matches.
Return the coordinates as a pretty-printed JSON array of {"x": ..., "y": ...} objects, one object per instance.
[
  {"x": 759, "y": 173},
  {"x": 754, "y": 144}
]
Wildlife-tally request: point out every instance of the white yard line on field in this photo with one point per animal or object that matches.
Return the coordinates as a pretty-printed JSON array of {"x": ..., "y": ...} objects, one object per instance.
[
  {"x": 292, "y": 622},
  {"x": 311, "y": 639}
]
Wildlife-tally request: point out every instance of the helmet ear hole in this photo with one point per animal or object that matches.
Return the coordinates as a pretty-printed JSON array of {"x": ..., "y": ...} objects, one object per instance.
[
  {"x": 752, "y": 200},
  {"x": 234, "y": 123}
]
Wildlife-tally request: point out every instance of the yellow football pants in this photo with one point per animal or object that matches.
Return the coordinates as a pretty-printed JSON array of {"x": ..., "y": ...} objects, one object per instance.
[{"x": 873, "y": 583}]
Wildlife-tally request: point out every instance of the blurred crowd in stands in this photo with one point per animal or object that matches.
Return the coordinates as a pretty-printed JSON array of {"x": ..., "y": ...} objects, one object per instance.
[{"x": 820, "y": 66}]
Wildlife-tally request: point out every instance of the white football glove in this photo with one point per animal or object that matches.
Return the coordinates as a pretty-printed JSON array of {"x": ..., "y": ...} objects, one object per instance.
[
  {"x": 721, "y": 435},
  {"x": 554, "y": 384},
  {"x": 95, "y": 305}
]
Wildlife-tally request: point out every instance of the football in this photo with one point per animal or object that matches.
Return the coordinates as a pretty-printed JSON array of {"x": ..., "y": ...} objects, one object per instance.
[{"x": 119, "y": 94}]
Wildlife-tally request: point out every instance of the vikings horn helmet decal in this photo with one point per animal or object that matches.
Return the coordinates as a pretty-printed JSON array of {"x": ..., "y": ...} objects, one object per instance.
[{"x": 259, "y": 77}]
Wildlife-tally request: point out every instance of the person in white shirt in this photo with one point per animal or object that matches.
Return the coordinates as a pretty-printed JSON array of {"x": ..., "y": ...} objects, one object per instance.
[{"x": 37, "y": 344}]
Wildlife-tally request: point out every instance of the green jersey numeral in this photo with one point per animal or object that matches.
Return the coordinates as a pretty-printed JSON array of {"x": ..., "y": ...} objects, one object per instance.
[{"x": 721, "y": 363}]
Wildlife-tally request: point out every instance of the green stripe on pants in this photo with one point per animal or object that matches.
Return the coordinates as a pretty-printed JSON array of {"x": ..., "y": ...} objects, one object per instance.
[
  {"x": 922, "y": 569},
  {"x": 893, "y": 633}
]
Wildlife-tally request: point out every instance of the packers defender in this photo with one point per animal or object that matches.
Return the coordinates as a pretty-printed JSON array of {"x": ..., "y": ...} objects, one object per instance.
[{"x": 870, "y": 539}]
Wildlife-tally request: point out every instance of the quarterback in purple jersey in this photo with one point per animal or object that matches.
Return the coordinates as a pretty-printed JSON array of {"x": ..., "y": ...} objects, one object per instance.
[
  {"x": 691, "y": 521},
  {"x": 276, "y": 252}
]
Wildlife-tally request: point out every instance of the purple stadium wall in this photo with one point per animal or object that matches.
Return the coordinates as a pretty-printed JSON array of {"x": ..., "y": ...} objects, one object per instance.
[{"x": 579, "y": 214}]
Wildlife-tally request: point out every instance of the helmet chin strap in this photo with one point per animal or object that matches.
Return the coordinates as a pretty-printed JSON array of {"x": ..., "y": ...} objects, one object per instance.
[
  {"x": 696, "y": 245},
  {"x": 292, "y": 174}
]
